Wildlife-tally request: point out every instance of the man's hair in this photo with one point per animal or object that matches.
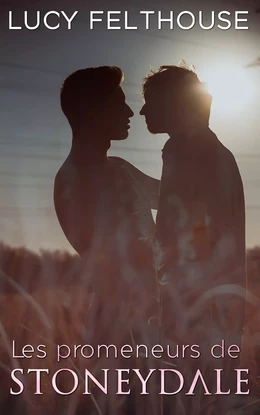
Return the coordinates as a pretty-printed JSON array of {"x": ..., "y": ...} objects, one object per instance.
[
  {"x": 87, "y": 89},
  {"x": 170, "y": 75},
  {"x": 180, "y": 80}
]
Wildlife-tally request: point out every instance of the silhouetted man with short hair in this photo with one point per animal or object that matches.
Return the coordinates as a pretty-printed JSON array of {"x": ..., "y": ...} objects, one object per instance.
[
  {"x": 200, "y": 227},
  {"x": 104, "y": 206}
]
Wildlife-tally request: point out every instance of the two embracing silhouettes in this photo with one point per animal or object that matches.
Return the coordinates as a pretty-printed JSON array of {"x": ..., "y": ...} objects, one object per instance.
[{"x": 183, "y": 276}]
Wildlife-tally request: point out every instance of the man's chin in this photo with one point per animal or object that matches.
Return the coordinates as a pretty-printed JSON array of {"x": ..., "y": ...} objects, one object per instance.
[
  {"x": 155, "y": 129},
  {"x": 152, "y": 129},
  {"x": 120, "y": 137}
]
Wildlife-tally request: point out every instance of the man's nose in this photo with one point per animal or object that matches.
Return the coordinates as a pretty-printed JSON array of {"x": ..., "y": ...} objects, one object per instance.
[
  {"x": 129, "y": 111},
  {"x": 142, "y": 110}
]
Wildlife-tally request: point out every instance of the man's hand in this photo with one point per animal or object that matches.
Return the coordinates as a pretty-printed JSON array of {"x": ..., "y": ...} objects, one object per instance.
[{"x": 149, "y": 184}]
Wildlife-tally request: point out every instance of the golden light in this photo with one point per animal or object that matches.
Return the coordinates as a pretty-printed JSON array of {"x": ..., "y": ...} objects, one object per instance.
[{"x": 230, "y": 85}]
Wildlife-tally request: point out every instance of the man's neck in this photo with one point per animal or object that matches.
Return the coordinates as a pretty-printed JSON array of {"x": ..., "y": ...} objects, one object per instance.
[
  {"x": 190, "y": 129},
  {"x": 87, "y": 147}
]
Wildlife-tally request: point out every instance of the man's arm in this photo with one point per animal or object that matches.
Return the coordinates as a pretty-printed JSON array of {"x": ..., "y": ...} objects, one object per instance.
[{"x": 150, "y": 184}]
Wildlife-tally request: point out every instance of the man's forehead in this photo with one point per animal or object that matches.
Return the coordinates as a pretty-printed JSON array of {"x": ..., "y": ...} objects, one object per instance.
[
  {"x": 152, "y": 92},
  {"x": 158, "y": 92}
]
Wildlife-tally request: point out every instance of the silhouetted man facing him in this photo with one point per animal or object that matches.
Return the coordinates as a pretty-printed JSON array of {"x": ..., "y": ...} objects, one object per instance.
[
  {"x": 200, "y": 227},
  {"x": 104, "y": 205}
]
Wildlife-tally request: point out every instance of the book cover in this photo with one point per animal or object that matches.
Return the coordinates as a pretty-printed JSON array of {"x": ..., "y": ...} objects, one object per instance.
[{"x": 129, "y": 230}]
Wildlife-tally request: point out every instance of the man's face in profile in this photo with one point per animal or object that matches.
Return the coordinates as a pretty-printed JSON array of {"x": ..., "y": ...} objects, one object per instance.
[
  {"x": 116, "y": 116},
  {"x": 156, "y": 111},
  {"x": 161, "y": 110}
]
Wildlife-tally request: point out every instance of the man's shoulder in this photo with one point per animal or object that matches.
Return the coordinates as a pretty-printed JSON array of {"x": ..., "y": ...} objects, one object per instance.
[
  {"x": 120, "y": 162},
  {"x": 216, "y": 149},
  {"x": 124, "y": 165},
  {"x": 226, "y": 166},
  {"x": 66, "y": 172},
  {"x": 66, "y": 181},
  {"x": 63, "y": 176},
  {"x": 226, "y": 157}
]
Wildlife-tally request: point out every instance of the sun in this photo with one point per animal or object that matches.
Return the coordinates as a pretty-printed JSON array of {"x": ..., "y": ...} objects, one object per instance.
[{"x": 230, "y": 85}]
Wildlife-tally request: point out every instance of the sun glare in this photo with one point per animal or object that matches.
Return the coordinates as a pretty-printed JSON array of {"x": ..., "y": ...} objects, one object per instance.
[{"x": 230, "y": 86}]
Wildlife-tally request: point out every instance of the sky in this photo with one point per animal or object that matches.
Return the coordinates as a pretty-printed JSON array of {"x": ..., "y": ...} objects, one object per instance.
[{"x": 35, "y": 137}]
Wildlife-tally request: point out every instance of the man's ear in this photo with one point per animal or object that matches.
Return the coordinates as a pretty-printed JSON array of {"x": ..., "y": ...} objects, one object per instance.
[{"x": 92, "y": 116}]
